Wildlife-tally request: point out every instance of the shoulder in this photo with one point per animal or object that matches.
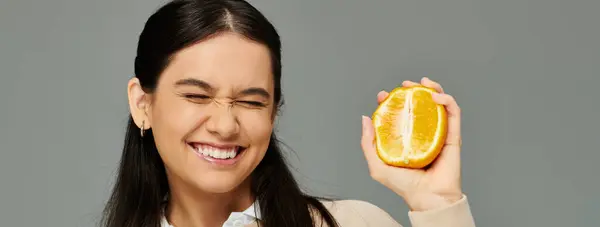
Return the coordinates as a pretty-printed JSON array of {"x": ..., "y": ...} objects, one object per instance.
[{"x": 349, "y": 213}]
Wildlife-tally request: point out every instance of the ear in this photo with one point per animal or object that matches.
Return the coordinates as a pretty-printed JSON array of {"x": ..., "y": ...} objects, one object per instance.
[{"x": 139, "y": 103}]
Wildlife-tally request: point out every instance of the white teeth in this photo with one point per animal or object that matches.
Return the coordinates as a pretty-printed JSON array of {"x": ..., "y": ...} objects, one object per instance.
[{"x": 216, "y": 152}]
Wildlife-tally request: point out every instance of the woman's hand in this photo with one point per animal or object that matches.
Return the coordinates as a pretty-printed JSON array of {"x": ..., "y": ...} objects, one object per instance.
[{"x": 423, "y": 189}]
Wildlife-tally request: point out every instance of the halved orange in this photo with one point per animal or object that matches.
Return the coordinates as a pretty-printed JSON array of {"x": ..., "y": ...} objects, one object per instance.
[{"x": 410, "y": 128}]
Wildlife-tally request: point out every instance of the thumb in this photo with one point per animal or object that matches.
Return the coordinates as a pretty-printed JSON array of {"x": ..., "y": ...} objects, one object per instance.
[{"x": 367, "y": 140}]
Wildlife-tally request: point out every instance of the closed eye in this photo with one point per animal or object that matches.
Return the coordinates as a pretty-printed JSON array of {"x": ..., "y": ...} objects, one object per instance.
[
  {"x": 252, "y": 103},
  {"x": 196, "y": 96}
]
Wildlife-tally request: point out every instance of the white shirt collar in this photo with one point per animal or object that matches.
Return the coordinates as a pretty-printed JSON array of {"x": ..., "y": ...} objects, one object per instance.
[
  {"x": 253, "y": 210},
  {"x": 246, "y": 217}
]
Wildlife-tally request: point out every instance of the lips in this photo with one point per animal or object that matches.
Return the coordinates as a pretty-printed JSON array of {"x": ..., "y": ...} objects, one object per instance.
[{"x": 217, "y": 152}]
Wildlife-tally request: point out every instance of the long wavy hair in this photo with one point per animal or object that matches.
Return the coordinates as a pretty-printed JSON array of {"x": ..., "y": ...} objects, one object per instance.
[{"x": 141, "y": 184}]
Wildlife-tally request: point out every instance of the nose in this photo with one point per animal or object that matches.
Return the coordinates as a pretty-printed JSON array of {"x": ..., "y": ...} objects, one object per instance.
[{"x": 223, "y": 123}]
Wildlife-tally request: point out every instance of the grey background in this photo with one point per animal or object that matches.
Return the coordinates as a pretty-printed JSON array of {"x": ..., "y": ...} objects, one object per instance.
[{"x": 525, "y": 73}]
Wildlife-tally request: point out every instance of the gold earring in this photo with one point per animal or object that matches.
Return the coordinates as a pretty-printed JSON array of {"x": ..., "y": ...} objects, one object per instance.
[{"x": 142, "y": 128}]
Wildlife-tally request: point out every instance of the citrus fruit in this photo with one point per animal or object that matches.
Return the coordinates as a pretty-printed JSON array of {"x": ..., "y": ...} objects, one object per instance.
[{"x": 410, "y": 128}]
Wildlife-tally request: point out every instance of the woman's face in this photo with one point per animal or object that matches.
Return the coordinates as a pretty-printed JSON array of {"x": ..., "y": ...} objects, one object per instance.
[{"x": 212, "y": 112}]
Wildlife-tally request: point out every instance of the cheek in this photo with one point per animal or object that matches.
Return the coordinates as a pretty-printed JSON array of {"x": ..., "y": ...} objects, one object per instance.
[{"x": 172, "y": 121}]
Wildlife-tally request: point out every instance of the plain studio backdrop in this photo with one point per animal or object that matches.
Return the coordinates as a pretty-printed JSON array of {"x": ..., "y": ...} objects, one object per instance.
[{"x": 525, "y": 72}]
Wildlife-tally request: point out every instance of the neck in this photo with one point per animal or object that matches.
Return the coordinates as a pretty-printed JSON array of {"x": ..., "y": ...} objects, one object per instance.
[{"x": 189, "y": 206}]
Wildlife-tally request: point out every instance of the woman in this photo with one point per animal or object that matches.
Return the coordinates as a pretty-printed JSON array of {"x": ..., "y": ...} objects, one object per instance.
[{"x": 200, "y": 148}]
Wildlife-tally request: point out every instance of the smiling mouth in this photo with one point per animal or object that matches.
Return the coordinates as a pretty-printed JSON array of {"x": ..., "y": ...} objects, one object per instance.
[{"x": 216, "y": 151}]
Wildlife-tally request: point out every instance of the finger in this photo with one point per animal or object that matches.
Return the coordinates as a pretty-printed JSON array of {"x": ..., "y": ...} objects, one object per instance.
[
  {"x": 454, "y": 137},
  {"x": 381, "y": 96},
  {"x": 408, "y": 83},
  {"x": 432, "y": 84},
  {"x": 367, "y": 141}
]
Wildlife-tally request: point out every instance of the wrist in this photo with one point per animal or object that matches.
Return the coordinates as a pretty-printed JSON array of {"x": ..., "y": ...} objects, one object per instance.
[{"x": 424, "y": 202}]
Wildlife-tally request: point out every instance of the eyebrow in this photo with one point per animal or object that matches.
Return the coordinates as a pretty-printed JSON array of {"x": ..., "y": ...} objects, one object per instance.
[
  {"x": 256, "y": 91},
  {"x": 206, "y": 86},
  {"x": 194, "y": 82}
]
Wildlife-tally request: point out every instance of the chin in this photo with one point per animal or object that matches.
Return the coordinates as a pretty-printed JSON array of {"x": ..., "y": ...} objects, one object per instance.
[{"x": 219, "y": 182}]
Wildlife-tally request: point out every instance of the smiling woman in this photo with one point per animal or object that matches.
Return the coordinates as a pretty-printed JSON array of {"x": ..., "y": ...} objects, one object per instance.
[{"x": 200, "y": 148}]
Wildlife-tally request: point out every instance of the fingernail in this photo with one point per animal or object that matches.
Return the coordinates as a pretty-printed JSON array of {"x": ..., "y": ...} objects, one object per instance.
[{"x": 364, "y": 118}]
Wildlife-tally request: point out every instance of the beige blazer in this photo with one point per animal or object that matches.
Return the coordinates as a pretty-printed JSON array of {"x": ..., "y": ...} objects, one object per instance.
[{"x": 356, "y": 213}]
